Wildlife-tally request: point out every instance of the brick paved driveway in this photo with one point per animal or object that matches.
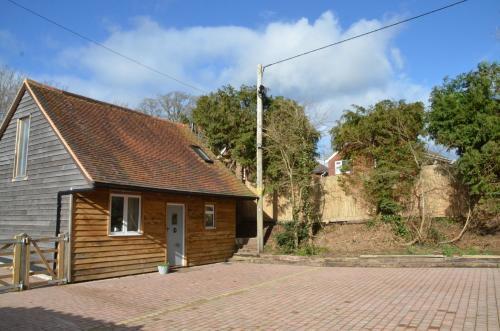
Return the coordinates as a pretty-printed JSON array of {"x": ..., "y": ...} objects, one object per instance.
[{"x": 256, "y": 296}]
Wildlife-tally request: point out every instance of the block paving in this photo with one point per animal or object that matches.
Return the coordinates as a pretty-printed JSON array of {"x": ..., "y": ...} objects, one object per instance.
[{"x": 243, "y": 296}]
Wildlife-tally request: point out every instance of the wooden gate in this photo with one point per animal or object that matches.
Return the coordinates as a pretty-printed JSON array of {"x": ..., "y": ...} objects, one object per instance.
[
  {"x": 31, "y": 262},
  {"x": 6, "y": 266}
]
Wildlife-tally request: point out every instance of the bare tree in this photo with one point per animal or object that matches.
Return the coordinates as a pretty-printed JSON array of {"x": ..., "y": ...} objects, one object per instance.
[
  {"x": 175, "y": 106},
  {"x": 10, "y": 80}
]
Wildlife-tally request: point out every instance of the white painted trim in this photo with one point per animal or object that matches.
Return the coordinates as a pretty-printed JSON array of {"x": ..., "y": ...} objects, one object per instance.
[
  {"x": 56, "y": 130},
  {"x": 331, "y": 157},
  {"x": 70, "y": 238},
  {"x": 183, "y": 230},
  {"x": 125, "y": 197},
  {"x": 12, "y": 109}
]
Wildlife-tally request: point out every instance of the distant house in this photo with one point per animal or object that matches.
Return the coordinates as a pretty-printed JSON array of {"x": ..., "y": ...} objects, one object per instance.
[
  {"x": 336, "y": 165},
  {"x": 130, "y": 189},
  {"x": 320, "y": 170}
]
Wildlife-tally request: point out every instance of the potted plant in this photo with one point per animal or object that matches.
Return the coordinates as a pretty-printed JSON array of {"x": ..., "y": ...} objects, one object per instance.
[{"x": 163, "y": 268}]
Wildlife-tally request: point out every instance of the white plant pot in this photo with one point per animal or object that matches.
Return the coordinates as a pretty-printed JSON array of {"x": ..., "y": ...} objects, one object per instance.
[{"x": 163, "y": 270}]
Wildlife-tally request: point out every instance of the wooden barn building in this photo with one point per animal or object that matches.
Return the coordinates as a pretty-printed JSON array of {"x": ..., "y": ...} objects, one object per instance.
[{"x": 131, "y": 190}]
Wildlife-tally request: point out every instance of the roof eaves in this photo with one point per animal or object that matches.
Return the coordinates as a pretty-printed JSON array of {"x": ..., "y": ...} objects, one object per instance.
[
  {"x": 12, "y": 109},
  {"x": 172, "y": 191},
  {"x": 332, "y": 156}
]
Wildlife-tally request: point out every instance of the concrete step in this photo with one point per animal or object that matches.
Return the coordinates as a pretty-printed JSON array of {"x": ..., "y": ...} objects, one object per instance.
[
  {"x": 246, "y": 246},
  {"x": 387, "y": 261}
]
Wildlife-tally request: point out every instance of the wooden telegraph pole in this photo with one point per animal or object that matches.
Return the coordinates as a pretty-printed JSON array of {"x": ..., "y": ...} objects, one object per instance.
[{"x": 260, "y": 187}]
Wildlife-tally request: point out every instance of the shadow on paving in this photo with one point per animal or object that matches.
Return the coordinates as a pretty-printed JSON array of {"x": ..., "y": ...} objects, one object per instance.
[{"x": 38, "y": 318}]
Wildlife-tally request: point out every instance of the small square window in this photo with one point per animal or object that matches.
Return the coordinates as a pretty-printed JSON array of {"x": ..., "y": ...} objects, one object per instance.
[
  {"x": 125, "y": 214},
  {"x": 209, "y": 216},
  {"x": 201, "y": 153}
]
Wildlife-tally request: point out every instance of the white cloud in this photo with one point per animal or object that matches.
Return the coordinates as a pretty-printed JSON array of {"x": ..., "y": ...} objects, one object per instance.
[
  {"x": 397, "y": 58},
  {"x": 362, "y": 71}
]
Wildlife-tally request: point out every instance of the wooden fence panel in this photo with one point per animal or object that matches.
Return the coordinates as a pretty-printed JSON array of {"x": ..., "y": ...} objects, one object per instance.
[{"x": 24, "y": 260}]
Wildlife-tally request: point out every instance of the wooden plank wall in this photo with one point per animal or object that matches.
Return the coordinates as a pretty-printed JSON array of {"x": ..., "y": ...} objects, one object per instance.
[
  {"x": 95, "y": 255},
  {"x": 30, "y": 205},
  {"x": 210, "y": 245}
]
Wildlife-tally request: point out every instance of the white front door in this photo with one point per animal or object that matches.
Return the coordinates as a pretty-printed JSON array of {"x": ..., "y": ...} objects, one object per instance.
[{"x": 175, "y": 234}]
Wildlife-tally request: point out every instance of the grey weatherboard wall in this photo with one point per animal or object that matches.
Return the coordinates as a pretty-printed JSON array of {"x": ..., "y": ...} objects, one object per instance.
[{"x": 31, "y": 205}]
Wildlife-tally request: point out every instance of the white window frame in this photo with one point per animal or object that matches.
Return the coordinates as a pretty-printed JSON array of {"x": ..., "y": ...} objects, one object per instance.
[
  {"x": 125, "y": 215},
  {"x": 338, "y": 167},
  {"x": 16, "y": 176},
  {"x": 213, "y": 214}
]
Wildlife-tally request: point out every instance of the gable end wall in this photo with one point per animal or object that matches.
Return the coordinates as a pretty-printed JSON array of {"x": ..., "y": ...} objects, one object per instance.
[{"x": 31, "y": 205}]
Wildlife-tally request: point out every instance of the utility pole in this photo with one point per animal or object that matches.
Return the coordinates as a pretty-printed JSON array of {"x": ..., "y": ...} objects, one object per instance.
[{"x": 260, "y": 187}]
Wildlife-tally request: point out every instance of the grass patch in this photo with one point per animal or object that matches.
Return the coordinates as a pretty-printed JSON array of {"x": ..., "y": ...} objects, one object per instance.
[
  {"x": 372, "y": 222},
  {"x": 411, "y": 250},
  {"x": 444, "y": 220},
  {"x": 310, "y": 250},
  {"x": 450, "y": 250}
]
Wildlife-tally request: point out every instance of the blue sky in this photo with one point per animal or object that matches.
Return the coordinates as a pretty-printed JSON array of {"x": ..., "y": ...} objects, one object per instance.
[{"x": 210, "y": 44}]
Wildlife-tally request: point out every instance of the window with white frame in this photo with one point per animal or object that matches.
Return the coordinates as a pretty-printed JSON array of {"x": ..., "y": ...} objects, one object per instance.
[
  {"x": 209, "y": 216},
  {"x": 21, "y": 155},
  {"x": 342, "y": 167},
  {"x": 125, "y": 214}
]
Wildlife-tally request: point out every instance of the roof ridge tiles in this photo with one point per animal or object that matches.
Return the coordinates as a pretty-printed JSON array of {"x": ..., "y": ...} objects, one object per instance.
[{"x": 92, "y": 100}]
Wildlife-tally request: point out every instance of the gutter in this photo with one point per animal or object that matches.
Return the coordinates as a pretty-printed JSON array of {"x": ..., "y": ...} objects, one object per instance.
[
  {"x": 178, "y": 192},
  {"x": 59, "y": 204}
]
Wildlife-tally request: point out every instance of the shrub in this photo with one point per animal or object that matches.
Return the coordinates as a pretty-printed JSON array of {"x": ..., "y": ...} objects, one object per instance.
[
  {"x": 286, "y": 238},
  {"x": 388, "y": 207},
  {"x": 398, "y": 225}
]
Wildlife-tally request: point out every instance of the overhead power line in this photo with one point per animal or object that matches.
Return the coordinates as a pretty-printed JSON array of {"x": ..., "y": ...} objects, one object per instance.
[
  {"x": 365, "y": 34},
  {"x": 109, "y": 49}
]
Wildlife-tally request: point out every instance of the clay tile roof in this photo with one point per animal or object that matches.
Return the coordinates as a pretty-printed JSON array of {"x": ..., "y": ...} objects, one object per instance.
[{"x": 122, "y": 147}]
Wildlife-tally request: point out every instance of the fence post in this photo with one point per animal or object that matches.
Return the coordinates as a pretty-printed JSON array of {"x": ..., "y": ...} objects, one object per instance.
[
  {"x": 27, "y": 261},
  {"x": 61, "y": 254},
  {"x": 21, "y": 265},
  {"x": 16, "y": 268}
]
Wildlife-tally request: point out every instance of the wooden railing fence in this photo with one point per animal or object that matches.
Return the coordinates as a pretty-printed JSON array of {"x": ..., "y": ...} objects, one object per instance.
[{"x": 27, "y": 262}]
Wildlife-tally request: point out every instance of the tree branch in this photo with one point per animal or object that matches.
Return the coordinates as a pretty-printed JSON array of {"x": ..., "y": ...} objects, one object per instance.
[{"x": 457, "y": 238}]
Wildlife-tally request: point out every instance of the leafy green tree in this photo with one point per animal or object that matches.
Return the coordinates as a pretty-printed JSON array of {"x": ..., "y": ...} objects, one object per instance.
[
  {"x": 465, "y": 116},
  {"x": 385, "y": 152},
  {"x": 290, "y": 151},
  {"x": 227, "y": 119}
]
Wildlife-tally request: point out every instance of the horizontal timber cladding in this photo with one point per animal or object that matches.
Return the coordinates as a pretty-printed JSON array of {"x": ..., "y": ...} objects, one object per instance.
[
  {"x": 30, "y": 205},
  {"x": 95, "y": 255}
]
